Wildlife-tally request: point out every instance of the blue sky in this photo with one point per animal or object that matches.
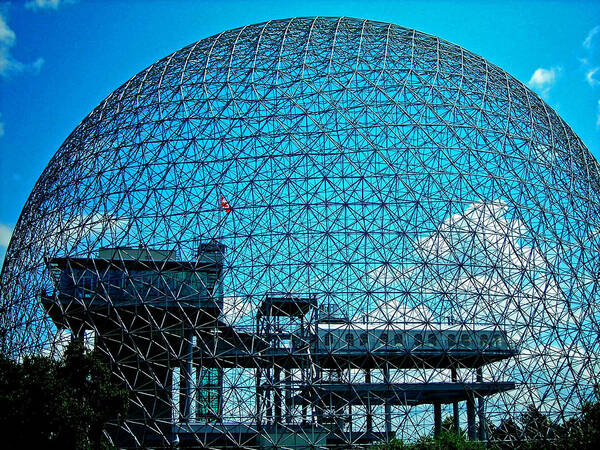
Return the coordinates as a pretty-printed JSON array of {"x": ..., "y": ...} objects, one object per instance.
[{"x": 59, "y": 59}]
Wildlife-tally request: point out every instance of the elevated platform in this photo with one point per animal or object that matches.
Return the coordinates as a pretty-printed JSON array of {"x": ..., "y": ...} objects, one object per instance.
[
  {"x": 124, "y": 283},
  {"x": 250, "y": 351},
  {"x": 411, "y": 358},
  {"x": 163, "y": 263},
  {"x": 268, "y": 436},
  {"x": 66, "y": 311},
  {"x": 401, "y": 393},
  {"x": 286, "y": 305}
]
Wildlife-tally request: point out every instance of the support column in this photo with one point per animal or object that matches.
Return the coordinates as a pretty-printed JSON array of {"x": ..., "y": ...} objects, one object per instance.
[
  {"x": 369, "y": 409},
  {"x": 304, "y": 374},
  {"x": 481, "y": 409},
  {"x": 471, "y": 429},
  {"x": 260, "y": 392},
  {"x": 388, "y": 407},
  {"x": 455, "y": 417},
  {"x": 258, "y": 398},
  {"x": 277, "y": 381},
  {"x": 288, "y": 395},
  {"x": 267, "y": 397},
  {"x": 437, "y": 419},
  {"x": 350, "y": 419},
  {"x": 186, "y": 376},
  {"x": 304, "y": 407}
]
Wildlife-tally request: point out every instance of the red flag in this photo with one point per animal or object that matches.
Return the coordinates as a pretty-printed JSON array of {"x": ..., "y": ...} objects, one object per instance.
[{"x": 225, "y": 205}]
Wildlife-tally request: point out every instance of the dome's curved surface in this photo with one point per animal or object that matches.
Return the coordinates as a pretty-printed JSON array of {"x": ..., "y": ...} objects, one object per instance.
[{"x": 425, "y": 211}]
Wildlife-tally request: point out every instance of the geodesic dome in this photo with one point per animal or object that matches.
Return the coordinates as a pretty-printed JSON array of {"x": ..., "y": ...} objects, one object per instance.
[{"x": 317, "y": 230}]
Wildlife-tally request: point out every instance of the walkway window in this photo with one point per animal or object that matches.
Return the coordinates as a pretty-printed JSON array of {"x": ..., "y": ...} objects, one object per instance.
[
  {"x": 349, "y": 339},
  {"x": 451, "y": 340},
  {"x": 498, "y": 341},
  {"x": 384, "y": 338},
  {"x": 364, "y": 339},
  {"x": 398, "y": 339},
  {"x": 328, "y": 340},
  {"x": 418, "y": 339},
  {"x": 466, "y": 340},
  {"x": 484, "y": 340},
  {"x": 432, "y": 339},
  {"x": 87, "y": 285}
]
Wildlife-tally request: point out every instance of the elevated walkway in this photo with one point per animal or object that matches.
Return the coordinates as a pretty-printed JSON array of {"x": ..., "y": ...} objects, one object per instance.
[{"x": 402, "y": 393}]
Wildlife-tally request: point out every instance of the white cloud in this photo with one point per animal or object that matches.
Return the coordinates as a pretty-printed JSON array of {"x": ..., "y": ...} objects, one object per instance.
[
  {"x": 36, "y": 66},
  {"x": 543, "y": 79},
  {"x": 587, "y": 43},
  {"x": 7, "y": 40},
  {"x": 395, "y": 311},
  {"x": 72, "y": 231},
  {"x": 504, "y": 281},
  {"x": 479, "y": 259},
  {"x": 8, "y": 64},
  {"x": 35, "y": 5},
  {"x": 237, "y": 311},
  {"x": 5, "y": 234},
  {"x": 590, "y": 66},
  {"x": 592, "y": 76}
]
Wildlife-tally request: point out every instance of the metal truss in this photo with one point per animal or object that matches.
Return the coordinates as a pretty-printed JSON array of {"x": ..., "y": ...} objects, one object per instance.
[{"x": 317, "y": 231}]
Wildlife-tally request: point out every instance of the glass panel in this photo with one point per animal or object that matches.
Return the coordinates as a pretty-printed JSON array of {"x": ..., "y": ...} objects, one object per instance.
[
  {"x": 432, "y": 339},
  {"x": 208, "y": 394},
  {"x": 418, "y": 339},
  {"x": 451, "y": 340},
  {"x": 328, "y": 339},
  {"x": 398, "y": 338},
  {"x": 364, "y": 339},
  {"x": 350, "y": 339},
  {"x": 484, "y": 340},
  {"x": 466, "y": 340},
  {"x": 383, "y": 338}
]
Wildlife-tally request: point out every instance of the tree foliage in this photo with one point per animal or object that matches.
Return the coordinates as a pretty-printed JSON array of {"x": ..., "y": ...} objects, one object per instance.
[
  {"x": 51, "y": 404},
  {"x": 448, "y": 439},
  {"x": 582, "y": 432},
  {"x": 532, "y": 430}
]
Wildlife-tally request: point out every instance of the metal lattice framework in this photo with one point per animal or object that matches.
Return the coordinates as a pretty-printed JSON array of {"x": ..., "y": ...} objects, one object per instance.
[{"x": 317, "y": 230}]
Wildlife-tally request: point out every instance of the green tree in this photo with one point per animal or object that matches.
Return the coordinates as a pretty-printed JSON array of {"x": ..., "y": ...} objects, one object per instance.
[
  {"x": 507, "y": 435},
  {"x": 583, "y": 431},
  {"x": 448, "y": 439},
  {"x": 51, "y": 404}
]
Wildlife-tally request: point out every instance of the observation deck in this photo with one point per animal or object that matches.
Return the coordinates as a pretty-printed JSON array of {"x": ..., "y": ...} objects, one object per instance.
[
  {"x": 133, "y": 281},
  {"x": 411, "y": 394}
]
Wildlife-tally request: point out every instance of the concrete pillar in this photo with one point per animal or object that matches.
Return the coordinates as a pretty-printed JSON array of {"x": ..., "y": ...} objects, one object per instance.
[
  {"x": 304, "y": 408},
  {"x": 267, "y": 397},
  {"x": 388, "y": 408},
  {"x": 258, "y": 398},
  {"x": 455, "y": 417},
  {"x": 288, "y": 395},
  {"x": 186, "y": 377},
  {"x": 350, "y": 419},
  {"x": 369, "y": 409},
  {"x": 277, "y": 399},
  {"x": 304, "y": 374},
  {"x": 471, "y": 429},
  {"x": 481, "y": 409},
  {"x": 437, "y": 419}
]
